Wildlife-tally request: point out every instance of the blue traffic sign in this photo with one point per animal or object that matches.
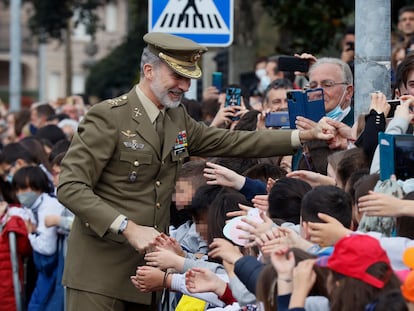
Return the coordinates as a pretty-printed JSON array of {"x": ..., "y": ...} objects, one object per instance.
[{"x": 207, "y": 22}]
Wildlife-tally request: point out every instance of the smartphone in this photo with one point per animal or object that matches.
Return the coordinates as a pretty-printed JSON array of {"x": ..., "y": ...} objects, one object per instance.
[
  {"x": 393, "y": 104},
  {"x": 217, "y": 78},
  {"x": 277, "y": 119},
  {"x": 309, "y": 104},
  {"x": 233, "y": 98},
  {"x": 292, "y": 63},
  {"x": 396, "y": 156}
]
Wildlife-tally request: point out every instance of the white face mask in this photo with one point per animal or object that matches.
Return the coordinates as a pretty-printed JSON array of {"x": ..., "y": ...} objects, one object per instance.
[
  {"x": 260, "y": 73},
  {"x": 264, "y": 83}
]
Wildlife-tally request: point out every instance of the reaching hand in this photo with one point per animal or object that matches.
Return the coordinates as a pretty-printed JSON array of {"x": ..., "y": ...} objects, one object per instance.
[
  {"x": 220, "y": 175},
  {"x": 148, "y": 279},
  {"x": 200, "y": 280},
  {"x": 380, "y": 204},
  {"x": 164, "y": 259},
  {"x": 312, "y": 178},
  {"x": 303, "y": 271},
  {"x": 169, "y": 243},
  {"x": 303, "y": 123},
  {"x": 255, "y": 229},
  {"x": 405, "y": 110},
  {"x": 221, "y": 248},
  {"x": 283, "y": 260},
  {"x": 379, "y": 103},
  {"x": 261, "y": 201},
  {"x": 243, "y": 211},
  {"x": 328, "y": 232}
]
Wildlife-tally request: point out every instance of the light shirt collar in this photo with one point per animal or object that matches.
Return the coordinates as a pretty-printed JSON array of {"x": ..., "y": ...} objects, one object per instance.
[{"x": 150, "y": 108}]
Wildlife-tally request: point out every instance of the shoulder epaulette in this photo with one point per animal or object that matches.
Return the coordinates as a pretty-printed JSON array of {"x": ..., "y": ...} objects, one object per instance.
[{"x": 117, "y": 101}]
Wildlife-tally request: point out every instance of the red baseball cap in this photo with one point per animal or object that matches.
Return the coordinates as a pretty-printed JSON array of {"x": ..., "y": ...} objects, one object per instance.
[{"x": 353, "y": 255}]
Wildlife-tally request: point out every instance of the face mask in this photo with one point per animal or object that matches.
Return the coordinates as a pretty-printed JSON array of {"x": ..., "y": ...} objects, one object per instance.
[
  {"x": 260, "y": 73},
  {"x": 335, "y": 113},
  {"x": 264, "y": 83},
  {"x": 27, "y": 198}
]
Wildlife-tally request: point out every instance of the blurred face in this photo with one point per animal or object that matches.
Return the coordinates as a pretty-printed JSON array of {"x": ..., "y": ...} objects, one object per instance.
[
  {"x": 184, "y": 193},
  {"x": 406, "y": 23},
  {"x": 71, "y": 111},
  {"x": 410, "y": 83},
  {"x": 276, "y": 100},
  {"x": 335, "y": 94},
  {"x": 202, "y": 229},
  {"x": 56, "y": 174},
  {"x": 34, "y": 118},
  {"x": 168, "y": 86}
]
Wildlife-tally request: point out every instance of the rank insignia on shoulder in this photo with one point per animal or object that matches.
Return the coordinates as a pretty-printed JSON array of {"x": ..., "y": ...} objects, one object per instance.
[
  {"x": 128, "y": 133},
  {"x": 118, "y": 101},
  {"x": 134, "y": 145}
]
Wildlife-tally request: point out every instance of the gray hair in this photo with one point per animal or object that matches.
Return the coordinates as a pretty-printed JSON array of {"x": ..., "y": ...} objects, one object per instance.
[
  {"x": 148, "y": 57},
  {"x": 345, "y": 69}
]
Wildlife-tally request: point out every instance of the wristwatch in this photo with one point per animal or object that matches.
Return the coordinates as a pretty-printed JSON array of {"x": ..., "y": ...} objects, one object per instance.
[{"x": 123, "y": 226}]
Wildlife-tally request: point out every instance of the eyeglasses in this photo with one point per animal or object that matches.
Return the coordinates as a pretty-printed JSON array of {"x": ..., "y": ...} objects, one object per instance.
[{"x": 326, "y": 84}]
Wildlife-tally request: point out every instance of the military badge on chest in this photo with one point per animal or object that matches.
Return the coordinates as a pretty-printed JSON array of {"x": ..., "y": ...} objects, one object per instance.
[{"x": 181, "y": 143}]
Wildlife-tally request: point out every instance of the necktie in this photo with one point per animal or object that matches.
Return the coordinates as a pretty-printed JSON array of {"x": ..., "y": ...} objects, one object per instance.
[{"x": 159, "y": 127}]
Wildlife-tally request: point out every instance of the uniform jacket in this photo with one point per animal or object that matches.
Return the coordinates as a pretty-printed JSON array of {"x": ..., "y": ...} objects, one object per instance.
[{"x": 115, "y": 166}]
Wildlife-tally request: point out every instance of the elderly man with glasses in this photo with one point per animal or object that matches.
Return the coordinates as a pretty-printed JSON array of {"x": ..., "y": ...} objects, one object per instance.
[{"x": 335, "y": 77}]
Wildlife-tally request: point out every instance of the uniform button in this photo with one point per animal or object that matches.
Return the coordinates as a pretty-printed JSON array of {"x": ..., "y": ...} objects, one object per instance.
[
  {"x": 162, "y": 162},
  {"x": 136, "y": 163},
  {"x": 158, "y": 205},
  {"x": 87, "y": 224},
  {"x": 155, "y": 226},
  {"x": 158, "y": 183}
]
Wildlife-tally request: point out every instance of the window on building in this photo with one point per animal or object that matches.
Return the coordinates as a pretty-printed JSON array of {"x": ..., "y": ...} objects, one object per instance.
[
  {"x": 78, "y": 83},
  {"x": 54, "y": 86},
  {"x": 111, "y": 13}
]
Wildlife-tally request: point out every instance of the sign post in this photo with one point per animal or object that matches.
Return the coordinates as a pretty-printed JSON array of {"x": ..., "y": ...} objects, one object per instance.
[{"x": 207, "y": 22}]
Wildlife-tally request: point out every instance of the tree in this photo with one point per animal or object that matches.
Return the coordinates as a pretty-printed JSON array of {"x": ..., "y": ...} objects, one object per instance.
[
  {"x": 118, "y": 71},
  {"x": 308, "y": 25},
  {"x": 52, "y": 17}
]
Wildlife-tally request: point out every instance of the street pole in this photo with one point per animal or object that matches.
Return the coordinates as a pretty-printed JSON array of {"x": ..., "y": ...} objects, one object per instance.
[
  {"x": 42, "y": 66},
  {"x": 372, "y": 51},
  {"x": 15, "y": 70}
]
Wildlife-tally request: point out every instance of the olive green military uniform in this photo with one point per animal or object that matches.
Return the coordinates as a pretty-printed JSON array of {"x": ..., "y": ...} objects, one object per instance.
[{"x": 115, "y": 166}]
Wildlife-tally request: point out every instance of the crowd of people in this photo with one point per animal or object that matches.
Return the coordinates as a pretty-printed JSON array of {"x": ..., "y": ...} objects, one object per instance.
[{"x": 150, "y": 201}]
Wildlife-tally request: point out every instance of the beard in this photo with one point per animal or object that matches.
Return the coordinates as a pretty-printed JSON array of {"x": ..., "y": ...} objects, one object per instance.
[{"x": 163, "y": 95}]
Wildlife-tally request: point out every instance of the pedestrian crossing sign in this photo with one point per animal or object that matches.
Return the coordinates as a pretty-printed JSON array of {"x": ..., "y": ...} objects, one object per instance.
[{"x": 207, "y": 22}]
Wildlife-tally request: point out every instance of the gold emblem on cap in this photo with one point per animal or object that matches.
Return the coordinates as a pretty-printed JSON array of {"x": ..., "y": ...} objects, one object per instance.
[{"x": 196, "y": 57}]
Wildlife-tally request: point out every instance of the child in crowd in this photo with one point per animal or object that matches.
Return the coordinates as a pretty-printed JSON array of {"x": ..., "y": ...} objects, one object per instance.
[{"x": 34, "y": 192}]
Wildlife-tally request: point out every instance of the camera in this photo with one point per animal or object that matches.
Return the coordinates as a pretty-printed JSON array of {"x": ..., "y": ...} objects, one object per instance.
[
  {"x": 393, "y": 105},
  {"x": 292, "y": 63},
  {"x": 277, "y": 119},
  {"x": 233, "y": 98},
  {"x": 396, "y": 155},
  {"x": 217, "y": 78},
  {"x": 309, "y": 104}
]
